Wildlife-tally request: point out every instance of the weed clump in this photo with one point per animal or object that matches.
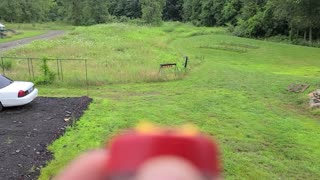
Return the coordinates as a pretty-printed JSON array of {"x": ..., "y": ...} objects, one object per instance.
[
  {"x": 6, "y": 64},
  {"x": 47, "y": 76}
]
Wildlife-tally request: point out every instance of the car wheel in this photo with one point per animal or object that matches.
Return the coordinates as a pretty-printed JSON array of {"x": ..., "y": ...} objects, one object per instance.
[{"x": 1, "y": 107}]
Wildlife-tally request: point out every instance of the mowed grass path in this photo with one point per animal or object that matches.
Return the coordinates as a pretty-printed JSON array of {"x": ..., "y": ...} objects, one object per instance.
[{"x": 237, "y": 95}]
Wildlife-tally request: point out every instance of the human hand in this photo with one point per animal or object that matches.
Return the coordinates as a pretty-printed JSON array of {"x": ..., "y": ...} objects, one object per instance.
[{"x": 91, "y": 166}]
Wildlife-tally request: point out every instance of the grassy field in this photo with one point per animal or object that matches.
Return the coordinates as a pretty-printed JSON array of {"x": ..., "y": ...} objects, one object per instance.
[{"x": 234, "y": 90}]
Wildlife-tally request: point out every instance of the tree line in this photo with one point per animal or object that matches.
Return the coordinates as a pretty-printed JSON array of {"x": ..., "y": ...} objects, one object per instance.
[{"x": 297, "y": 19}]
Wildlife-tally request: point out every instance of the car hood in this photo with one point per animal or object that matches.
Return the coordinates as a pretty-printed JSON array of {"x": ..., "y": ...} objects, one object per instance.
[{"x": 17, "y": 86}]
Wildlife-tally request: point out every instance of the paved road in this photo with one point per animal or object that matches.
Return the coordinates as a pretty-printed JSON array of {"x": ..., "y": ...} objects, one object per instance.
[{"x": 13, "y": 44}]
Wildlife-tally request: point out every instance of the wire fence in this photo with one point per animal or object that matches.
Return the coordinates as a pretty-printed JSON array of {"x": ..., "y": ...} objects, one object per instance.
[{"x": 70, "y": 71}]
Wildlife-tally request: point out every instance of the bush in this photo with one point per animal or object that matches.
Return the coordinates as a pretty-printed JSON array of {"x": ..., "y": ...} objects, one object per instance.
[
  {"x": 48, "y": 76},
  {"x": 230, "y": 27},
  {"x": 7, "y": 64}
]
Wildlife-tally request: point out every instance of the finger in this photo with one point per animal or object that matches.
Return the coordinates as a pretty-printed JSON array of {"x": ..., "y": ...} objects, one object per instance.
[
  {"x": 168, "y": 168},
  {"x": 89, "y": 166}
]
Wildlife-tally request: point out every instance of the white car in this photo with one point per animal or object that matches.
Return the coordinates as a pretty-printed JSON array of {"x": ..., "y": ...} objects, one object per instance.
[{"x": 16, "y": 93}]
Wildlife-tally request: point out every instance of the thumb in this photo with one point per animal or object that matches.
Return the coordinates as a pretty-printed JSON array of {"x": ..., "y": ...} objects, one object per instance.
[{"x": 168, "y": 168}]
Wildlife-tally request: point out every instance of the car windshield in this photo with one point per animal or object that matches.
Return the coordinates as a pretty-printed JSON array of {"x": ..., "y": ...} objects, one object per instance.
[{"x": 4, "y": 81}]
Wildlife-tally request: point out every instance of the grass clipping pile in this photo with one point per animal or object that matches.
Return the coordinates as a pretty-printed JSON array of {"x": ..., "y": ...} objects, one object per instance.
[{"x": 26, "y": 132}]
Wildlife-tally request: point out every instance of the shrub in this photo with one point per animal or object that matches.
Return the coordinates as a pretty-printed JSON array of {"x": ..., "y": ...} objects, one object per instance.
[
  {"x": 7, "y": 64},
  {"x": 47, "y": 75}
]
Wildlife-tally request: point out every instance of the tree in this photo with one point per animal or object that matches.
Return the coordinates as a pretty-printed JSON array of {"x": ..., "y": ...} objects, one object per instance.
[
  {"x": 211, "y": 12},
  {"x": 192, "y": 10},
  {"x": 231, "y": 10},
  {"x": 133, "y": 9},
  {"x": 251, "y": 20},
  {"x": 173, "y": 10},
  {"x": 97, "y": 11},
  {"x": 25, "y": 10},
  {"x": 152, "y": 11},
  {"x": 310, "y": 11},
  {"x": 302, "y": 15},
  {"x": 187, "y": 10}
]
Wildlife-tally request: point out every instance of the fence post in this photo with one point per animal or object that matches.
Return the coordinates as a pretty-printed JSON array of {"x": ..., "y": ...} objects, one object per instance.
[
  {"x": 61, "y": 71},
  {"x": 29, "y": 68},
  {"x": 32, "y": 68},
  {"x": 2, "y": 66},
  {"x": 87, "y": 77},
  {"x": 58, "y": 69},
  {"x": 186, "y": 62}
]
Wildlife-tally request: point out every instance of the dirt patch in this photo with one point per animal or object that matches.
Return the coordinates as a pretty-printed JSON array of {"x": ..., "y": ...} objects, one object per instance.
[{"x": 25, "y": 133}]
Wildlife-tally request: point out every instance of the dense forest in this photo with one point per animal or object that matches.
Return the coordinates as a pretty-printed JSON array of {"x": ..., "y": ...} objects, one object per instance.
[{"x": 296, "y": 19}]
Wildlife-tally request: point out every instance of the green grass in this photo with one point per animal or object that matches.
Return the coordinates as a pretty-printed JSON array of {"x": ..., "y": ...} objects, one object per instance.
[
  {"x": 21, "y": 35},
  {"x": 39, "y": 26},
  {"x": 239, "y": 98},
  {"x": 119, "y": 53},
  {"x": 30, "y": 30}
]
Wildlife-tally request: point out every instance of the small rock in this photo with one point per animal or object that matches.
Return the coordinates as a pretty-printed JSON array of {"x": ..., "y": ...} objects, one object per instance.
[
  {"x": 20, "y": 165},
  {"x": 18, "y": 150},
  {"x": 315, "y": 105},
  {"x": 66, "y": 119},
  {"x": 37, "y": 152}
]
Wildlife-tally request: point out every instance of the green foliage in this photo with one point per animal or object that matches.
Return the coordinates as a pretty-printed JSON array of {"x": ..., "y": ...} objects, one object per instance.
[
  {"x": 128, "y": 8},
  {"x": 25, "y": 11},
  {"x": 253, "y": 27},
  {"x": 230, "y": 11},
  {"x": 85, "y": 12},
  {"x": 7, "y": 64},
  {"x": 152, "y": 11},
  {"x": 47, "y": 76},
  {"x": 120, "y": 53},
  {"x": 173, "y": 10},
  {"x": 211, "y": 13},
  {"x": 249, "y": 18}
]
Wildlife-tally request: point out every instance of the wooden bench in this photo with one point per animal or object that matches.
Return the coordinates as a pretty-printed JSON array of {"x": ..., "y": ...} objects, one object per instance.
[{"x": 171, "y": 65}]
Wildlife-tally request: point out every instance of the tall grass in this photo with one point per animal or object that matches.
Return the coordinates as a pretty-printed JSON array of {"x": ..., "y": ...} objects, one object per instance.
[
  {"x": 38, "y": 26},
  {"x": 116, "y": 53}
]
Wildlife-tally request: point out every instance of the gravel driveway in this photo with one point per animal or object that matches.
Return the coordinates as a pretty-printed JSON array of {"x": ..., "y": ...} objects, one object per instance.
[
  {"x": 25, "y": 133},
  {"x": 13, "y": 44}
]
